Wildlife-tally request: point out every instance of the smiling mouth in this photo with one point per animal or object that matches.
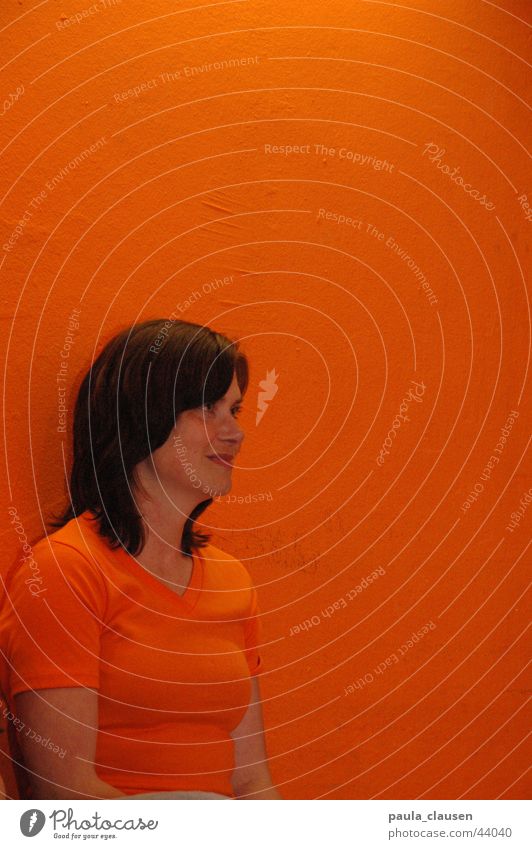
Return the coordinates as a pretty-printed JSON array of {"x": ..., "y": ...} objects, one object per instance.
[{"x": 223, "y": 460}]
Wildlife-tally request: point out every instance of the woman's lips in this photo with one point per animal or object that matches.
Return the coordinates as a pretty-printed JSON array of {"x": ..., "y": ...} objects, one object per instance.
[{"x": 228, "y": 463}]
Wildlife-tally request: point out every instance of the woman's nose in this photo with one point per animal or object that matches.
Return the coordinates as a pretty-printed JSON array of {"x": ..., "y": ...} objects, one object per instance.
[{"x": 232, "y": 432}]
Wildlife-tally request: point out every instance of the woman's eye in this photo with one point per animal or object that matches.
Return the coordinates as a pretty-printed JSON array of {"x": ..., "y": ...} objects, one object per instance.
[{"x": 210, "y": 408}]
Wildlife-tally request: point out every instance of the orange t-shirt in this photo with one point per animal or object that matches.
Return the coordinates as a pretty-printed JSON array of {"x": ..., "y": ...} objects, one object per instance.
[{"x": 173, "y": 672}]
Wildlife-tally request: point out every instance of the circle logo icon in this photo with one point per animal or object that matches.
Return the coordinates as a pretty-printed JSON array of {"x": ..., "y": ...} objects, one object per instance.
[{"x": 32, "y": 822}]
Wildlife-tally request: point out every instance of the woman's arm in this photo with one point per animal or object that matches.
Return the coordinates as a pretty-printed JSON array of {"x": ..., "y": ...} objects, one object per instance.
[
  {"x": 69, "y": 717},
  {"x": 251, "y": 777}
]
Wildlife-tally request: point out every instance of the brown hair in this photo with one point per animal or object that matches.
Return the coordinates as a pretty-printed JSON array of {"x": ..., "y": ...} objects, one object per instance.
[{"x": 126, "y": 407}]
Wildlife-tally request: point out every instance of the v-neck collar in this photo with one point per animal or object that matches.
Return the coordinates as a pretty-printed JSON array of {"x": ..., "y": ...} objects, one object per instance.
[
  {"x": 187, "y": 600},
  {"x": 192, "y": 593}
]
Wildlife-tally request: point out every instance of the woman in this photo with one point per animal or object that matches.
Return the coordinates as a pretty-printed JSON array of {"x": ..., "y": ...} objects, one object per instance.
[{"x": 131, "y": 642}]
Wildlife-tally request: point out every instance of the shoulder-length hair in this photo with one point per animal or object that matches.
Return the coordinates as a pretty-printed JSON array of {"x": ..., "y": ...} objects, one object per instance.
[{"x": 126, "y": 407}]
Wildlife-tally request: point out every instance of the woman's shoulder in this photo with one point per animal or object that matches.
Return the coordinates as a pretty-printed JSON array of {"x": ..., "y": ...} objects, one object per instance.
[
  {"x": 80, "y": 531},
  {"x": 57, "y": 570},
  {"x": 65, "y": 552},
  {"x": 225, "y": 567},
  {"x": 77, "y": 539}
]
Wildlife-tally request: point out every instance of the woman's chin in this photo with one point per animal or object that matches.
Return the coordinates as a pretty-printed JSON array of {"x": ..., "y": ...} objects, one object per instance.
[
  {"x": 213, "y": 489},
  {"x": 222, "y": 489}
]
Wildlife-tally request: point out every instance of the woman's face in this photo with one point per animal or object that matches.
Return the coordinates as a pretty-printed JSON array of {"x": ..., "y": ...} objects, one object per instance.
[{"x": 196, "y": 459}]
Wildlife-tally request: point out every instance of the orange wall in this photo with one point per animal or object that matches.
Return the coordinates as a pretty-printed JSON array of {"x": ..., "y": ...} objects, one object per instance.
[{"x": 180, "y": 190}]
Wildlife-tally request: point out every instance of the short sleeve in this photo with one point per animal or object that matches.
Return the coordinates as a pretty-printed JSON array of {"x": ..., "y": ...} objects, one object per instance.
[
  {"x": 253, "y": 636},
  {"x": 52, "y": 618}
]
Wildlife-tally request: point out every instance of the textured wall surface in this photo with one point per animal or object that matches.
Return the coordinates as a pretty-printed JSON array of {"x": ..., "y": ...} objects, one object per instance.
[{"x": 343, "y": 187}]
